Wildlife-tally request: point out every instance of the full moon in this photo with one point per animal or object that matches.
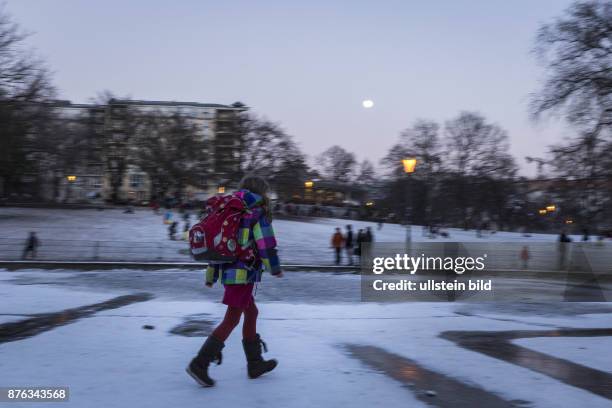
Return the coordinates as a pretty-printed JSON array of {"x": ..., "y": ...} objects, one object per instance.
[{"x": 368, "y": 103}]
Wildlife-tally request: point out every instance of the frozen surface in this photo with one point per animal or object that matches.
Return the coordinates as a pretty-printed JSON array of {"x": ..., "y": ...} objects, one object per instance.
[
  {"x": 19, "y": 301},
  {"x": 109, "y": 360},
  {"x": 593, "y": 352}
]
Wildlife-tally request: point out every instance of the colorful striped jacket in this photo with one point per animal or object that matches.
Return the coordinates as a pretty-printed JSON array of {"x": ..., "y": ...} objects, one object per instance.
[{"x": 255, "y": 230}]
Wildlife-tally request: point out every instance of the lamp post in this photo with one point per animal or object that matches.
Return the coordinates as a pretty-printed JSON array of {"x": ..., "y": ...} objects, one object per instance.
[
  {"x": 409, "y": 164},
  {"x": 71, "y": 180},
  {"x": 308, "y": 185}
]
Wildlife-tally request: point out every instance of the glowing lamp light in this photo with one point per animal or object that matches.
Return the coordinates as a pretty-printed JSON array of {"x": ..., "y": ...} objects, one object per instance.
[
  {"x": 569, "y": 221},
  {"x": 71, "y": 179},
  {"x": 309, "y": 184},
  {"x": 369, "y": 204},
  {"x": 551, "y": 208},
  {"x": 542, "y": 211},
  {"x": 409, "y": 164},
  {"x": 221, "y": 190}
]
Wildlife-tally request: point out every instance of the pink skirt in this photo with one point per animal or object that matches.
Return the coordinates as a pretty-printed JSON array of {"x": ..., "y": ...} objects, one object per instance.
[{"x": 240, "y": 296}]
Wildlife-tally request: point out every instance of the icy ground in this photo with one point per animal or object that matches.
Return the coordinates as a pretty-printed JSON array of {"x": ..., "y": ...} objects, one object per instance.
[
  {"x": 108, "y": 359},
  {"x": 74, "y": 233}
]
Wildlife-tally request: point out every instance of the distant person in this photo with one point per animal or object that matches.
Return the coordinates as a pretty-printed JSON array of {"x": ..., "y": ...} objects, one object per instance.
[
  {"x": 31, "y": 245},
  {"x": 433, "y": 231},
  {"x": 380, "y": 225},
  {"x": 585, "y": 234},
  {"x": 358, "y": 241},
  {"x": 172, "y": 230},
  {"x": 525, "y": 257},
  {"x": 564, "y": 240},
  {"x": 349, "y": 243},
  {"x": 337, "y": 243},
  {"x": 369, "y": 237}
]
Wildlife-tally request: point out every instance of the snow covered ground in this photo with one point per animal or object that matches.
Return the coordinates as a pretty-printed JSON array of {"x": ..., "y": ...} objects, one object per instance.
[
  {"x": 109, "y": 360},
  {"x": 21, "y": 301},
  {"x": 113, "y": 235},
  {"x": 310, "y": 321}
]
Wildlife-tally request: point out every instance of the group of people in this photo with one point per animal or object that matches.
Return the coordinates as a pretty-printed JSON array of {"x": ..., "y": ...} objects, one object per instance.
[{"x": 350, "y": 244}]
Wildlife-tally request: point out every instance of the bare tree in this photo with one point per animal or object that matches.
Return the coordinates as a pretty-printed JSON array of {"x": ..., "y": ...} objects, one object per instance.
[
  {"x": 265, "y": 143},
  {"x": 421, "y": 141},
  {"x": 167, "y": 148},
  {"x": 479, "y": 169},
  {"x": 477, "y": 148},
  {"x": 24, "y": 87},
  {"x": 585, "y": 165},
  {"x": 337, "y": 164},
  {"x": 576, "y": 50},
  {"x": 367, "y": 173},
  {"x": 121, "y": 127},
  {"x": 270, "y": 151}
]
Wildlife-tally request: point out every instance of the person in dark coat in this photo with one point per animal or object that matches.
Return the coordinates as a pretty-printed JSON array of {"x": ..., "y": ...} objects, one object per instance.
[
  {"x": 349, "y": 243},
  {"x": 172, "y": 230},
  {"x": 31, "y": 245},
  {"x": 360, "y": 239},
  {"x": 369, "y": 237}
]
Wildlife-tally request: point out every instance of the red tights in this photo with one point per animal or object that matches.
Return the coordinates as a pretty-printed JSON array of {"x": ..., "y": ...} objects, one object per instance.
[{"x": 231, "y": 320}]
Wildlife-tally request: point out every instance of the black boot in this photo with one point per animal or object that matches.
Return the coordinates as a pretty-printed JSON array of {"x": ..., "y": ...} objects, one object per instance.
[
  {"x": 256, "y": 365},
  {"x": 198, "y": 368}
]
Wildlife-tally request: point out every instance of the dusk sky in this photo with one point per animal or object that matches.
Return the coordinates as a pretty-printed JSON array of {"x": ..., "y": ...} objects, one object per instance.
[{"x": 308, "y": 65}]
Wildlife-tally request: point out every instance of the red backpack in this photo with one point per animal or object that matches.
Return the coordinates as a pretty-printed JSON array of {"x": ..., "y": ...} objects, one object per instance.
[{"x": 215, "y": 237}]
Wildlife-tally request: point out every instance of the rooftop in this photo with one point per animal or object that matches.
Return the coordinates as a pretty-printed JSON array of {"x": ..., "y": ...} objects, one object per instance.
[
  {"x": 235, "y": 106},
  {"x": 68, "y": 104}
]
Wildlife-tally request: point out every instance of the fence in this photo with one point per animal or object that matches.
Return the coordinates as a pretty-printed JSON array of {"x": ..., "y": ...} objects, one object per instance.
[
  {"x": 549, "y": 256},
  {"x": 137, "y": 251}
]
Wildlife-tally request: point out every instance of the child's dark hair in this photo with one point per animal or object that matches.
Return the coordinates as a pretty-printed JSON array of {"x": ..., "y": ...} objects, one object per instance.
[{"x": 258, "y": 185}]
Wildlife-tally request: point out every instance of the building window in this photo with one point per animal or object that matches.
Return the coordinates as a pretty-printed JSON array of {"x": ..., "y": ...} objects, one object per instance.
[
  {"x": 136, "y": 180},
  {"x": 95, "y": 182}
]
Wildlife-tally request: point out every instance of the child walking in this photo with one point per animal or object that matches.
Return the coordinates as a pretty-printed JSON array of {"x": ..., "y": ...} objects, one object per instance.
[{"x": 239, "y": 279}]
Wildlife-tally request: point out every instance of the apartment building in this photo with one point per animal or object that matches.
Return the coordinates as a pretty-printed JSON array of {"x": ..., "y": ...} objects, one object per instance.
[{"x": 94, "y": 179}]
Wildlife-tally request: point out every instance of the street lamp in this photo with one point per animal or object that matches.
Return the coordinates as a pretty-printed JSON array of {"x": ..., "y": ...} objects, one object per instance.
[
  {"x": 71, "y": 180},
  {"x": 308, "y": 184},
  {"x": 409, "y": 164},
  {"x": 551, "y": 208}
]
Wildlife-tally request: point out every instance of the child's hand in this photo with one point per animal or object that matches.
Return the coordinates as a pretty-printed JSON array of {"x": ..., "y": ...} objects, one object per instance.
[
  {"x": 279, "y": 275},
  {"x": 209, "y": 285}
]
